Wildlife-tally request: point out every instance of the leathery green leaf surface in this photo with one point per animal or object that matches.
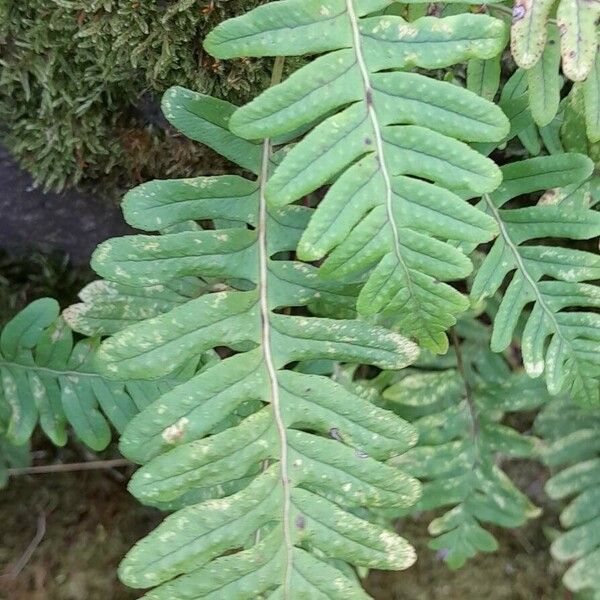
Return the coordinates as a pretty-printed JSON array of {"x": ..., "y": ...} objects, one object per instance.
[
  {"x": 461, "y": 435},
  {"x": 392, "y": 143},
  {"x": 107, "y": 307},
  {"x": 279, "y": 458},
  {"x": 573, "y": 451},
  {"x": 562, "y": 344}
]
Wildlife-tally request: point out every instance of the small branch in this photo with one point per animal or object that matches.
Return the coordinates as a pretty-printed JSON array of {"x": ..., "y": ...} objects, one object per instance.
[
  {"x": 13, "y": 572},
  {"x": 69, "y": 467},
  {"x": 89, "y": 456},
  {"x": 277, "y": 73}
]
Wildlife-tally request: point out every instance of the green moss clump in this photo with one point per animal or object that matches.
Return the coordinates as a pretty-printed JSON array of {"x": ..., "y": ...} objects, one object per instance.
[{"x": 74, "y": 73}]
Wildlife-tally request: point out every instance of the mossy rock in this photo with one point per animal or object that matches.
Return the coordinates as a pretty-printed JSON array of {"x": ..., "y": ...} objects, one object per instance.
[{"x": 77, "y": 75}]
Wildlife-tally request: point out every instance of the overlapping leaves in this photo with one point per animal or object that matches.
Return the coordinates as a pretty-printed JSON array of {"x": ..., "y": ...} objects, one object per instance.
[
  {"x": 539, "y": 44},
  {"x": 562, "y": 332},
  {"x": 107, "y": 307},
  {"x": 48, "y": 379},
  {"x": 577, "y": 22},
  {"x": 461, "y": 436},
  {"x": 263, "y": 462},
  {"x": 541, "y": 86},
  {"x": 573, "y": 449},
  {"x": 380, "y": 133}
]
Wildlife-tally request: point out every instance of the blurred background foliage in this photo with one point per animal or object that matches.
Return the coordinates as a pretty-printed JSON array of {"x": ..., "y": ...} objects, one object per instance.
[{"x": 37, "y": 274}]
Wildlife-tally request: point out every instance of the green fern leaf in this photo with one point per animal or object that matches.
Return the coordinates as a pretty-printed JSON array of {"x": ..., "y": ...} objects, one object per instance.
[
  {"x": 46, "y": 378},
  {"x": 577, "y": 196},
  {"x": 574, "y": 449},
  {"x": 549, "y": 277},
  {"x": 514, "y": 101},
  {"x": 276, "y": 482},
  {"x": 107, "y": 307},
  {"x": 591, "y": 94},
  {"x": 375, "y": 217},
  {"x": 12, "y": 457},
  {"x": 576, "y": 20},
  {"x": 544, "y": 82},
  {"x": 460, "y": 436},
  {"x": 528, "y": 33},
  {"x": 483, "y": 76},
  {"x": 206, "y": 120}
]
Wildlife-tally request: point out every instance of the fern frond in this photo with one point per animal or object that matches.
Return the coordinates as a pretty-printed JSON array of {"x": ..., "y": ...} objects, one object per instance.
[
  {"x": 264, "y": 497},
  {"x": 577, "y": 22},
  {"x": 107, "y": 307},
  {"x": 543, "y": 90},
  {"x": 483, "y": 76},
  {"x": 544, "y": 82},
  {"x": 380, "y": 132},
  {"x": 551, "y": 278},
  {"x": 47, "y": 378},
  {"x": 573, "y": 435},
  {"x": 460, "y": 438}
]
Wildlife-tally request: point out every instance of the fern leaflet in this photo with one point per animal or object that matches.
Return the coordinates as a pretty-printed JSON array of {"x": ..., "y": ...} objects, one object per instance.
[
  {"x": 460, "y": 438},
  {"x": 574, "y": 448},
  {"x": 282, "y": 477},
  {"x": 107, "y": 307},
  {"x": 378, "y": 129},
  {"x": 549, "y": 277}
]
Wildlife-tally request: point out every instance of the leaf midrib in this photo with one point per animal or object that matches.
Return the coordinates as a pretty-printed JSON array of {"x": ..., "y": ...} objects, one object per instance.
[
  {"x": 54, "y": 372},
  {"x": 377, "y": 132},
  {"x": 275, "y": 399},
  {"x": 529, "y": 279}
]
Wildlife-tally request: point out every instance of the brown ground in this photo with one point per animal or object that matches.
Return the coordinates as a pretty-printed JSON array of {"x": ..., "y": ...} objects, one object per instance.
[
  {"x": 92, "y": 521},
  {"x": 521, "y": 570}
]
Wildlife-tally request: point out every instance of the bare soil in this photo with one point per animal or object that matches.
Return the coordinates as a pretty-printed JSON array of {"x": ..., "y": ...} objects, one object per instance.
[{"x": 91, "y": 521}]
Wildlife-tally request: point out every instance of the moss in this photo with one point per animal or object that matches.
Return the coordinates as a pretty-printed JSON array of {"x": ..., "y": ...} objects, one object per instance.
[{"x": 74, "y": 73}]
